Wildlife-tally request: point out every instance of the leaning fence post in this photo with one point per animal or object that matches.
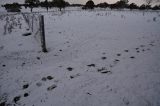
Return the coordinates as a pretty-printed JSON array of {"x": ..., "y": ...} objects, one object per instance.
[
  {"x": 32, "y": 22},
  {"x": 43, "y": 42}
]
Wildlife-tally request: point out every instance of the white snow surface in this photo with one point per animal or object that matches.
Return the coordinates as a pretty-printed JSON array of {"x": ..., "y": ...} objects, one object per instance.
[{"x": 95, "y": 58}]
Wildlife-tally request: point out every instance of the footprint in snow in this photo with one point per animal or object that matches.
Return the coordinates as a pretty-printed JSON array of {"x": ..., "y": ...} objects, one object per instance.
[
  {"x": 47, "y": 78},
  {"x": 3, "y": 65},
  {"x": 116, "y": 61},
  {"x": 103, "y": 70},
  {"x": 70, "y": 69},
  {"x": 38, "y": 58},
  {"x": 16, "y": 99},
  {"x": 103, "y": 58},
  {"x": 151, "y": 44},
  {"x": 142, "y": 46},
  {"x": 25, "y": 86},
  {"x": 88, "y": 93},
  {"x": 50, "y": 88},
  {"x": 126, "y": 101},
  {"x": 44, "y": 79},
  {"x": 137, "y": 48},
  {"x": 26, "y": 95},
  {"x": 23, "y": 64},
  {"x": 74, "y": 76},
  {"x": 143, "y": 50},
  {"x": 118, "y": 54},
  {"x": 126, "y": 50},
  {"x": 132, "y": 57},
  {"x": 138, "y": 51},
  {"x": 39, "y": 84},
  {"x": 91, "y": 65}
]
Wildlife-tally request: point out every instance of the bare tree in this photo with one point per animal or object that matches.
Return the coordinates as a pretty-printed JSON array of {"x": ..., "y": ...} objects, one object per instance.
[
  {"x": 149, "y": 2},
  {"x": 31, "y": 3}
]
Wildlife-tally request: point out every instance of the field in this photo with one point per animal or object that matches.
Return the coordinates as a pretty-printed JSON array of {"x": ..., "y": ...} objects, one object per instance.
[{"x": 95, "y": 58}]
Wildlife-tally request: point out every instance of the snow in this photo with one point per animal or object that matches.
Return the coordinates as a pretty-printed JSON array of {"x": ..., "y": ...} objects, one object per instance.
[{"x": 96, "y": 58}]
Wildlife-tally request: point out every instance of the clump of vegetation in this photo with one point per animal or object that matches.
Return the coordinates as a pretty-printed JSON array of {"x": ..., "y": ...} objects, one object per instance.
[
  {"x": 156, "y": 7},
  {"x": 59, "y": 4},
  {"x": 133, "y": 6},
  {"x": 89, "y": 5},
  {"x": 120, "y": 4},
  {"x": 32, "y": 3},
  {"x": 15, "y": 7},
  {"x": 102, "y": 5},
  {"x": 142, "y": 7}
]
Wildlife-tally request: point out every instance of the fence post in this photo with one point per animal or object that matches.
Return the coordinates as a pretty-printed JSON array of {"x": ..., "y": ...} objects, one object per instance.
[
  {"x": 43, "y": 41},
  {"x": 32, "y": 22}
]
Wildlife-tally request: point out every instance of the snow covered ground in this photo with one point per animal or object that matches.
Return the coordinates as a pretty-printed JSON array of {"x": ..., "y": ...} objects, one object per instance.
[{"x": 95, "y": 58}]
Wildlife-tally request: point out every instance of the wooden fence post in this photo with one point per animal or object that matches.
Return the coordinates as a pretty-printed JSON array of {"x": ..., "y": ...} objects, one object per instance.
[{"x": 43, "y": 41}]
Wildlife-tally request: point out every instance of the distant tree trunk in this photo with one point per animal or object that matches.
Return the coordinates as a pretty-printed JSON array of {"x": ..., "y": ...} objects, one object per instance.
[
  {"x": 60, "y": 9},
  {"x": 31, "y": 9},
  {"x": 47, "y": 8}
]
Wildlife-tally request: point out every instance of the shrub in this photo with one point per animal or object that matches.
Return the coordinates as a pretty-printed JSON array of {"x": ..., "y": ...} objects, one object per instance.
[
  {"x": 103, "y": 5},
  {"x": 133, "y": 6},
  {"x": 156, "y": 7},
  {"x": 89, "y": 5},
  {"x": 142, "y": 7},
  {"x": 15, "y": 7}
]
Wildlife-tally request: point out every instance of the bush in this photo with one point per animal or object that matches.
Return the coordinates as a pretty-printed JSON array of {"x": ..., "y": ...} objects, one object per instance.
[
  {"x": 142, "y": 7},
  {"x": 15, "y": 7},
  {"x": 156, "y": 7},
  {"x": 59, "y": 3},
  {"x": 133, "y": 6},
  {"x": 89, "y": 5},
  {"x": 103, "y": 5},
  {"x": 119, "y": 4}
]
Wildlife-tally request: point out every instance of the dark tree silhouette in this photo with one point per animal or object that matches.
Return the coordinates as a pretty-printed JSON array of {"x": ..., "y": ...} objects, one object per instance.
[
  {"x": 46, "y": 4},
  {"x": 103, "y": 5},
  {"x": 59, "y": 3},
  {"x": 133, "y": 6},
  {"x": 142, "y": 7},
  {"x": 32, "y": 3},
  {"x": 122, "y": 4},
  {"x": 150, "y": 2},
  {"x": 14, "y": 7},
  {"x": 89, "y": 5},
  {"x": 156, "y": 7},
  {"x": 119, "y": 4}
]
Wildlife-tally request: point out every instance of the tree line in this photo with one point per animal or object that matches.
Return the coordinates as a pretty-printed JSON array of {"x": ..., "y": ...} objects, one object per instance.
[
  {"x": 15, "y": 7},
  {"x": 123, "y": 4}
]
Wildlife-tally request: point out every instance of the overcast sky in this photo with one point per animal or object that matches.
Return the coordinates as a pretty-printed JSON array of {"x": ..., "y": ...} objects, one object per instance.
[{"x": 76, "y": 1}]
